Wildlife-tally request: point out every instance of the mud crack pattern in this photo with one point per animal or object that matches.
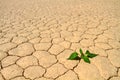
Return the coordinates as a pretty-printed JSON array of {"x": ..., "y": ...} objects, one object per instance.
[{"x": 37, "y": 37}]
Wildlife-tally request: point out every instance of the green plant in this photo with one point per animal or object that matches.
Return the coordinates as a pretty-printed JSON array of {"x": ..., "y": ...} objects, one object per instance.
[{"x": 85, "y": 56}]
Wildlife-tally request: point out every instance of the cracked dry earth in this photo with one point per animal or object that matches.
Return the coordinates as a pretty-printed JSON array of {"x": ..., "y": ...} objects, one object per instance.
[{"x": 37, "y": 37}]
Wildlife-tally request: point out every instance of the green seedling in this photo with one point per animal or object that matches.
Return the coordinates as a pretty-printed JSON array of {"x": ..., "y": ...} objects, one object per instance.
[{"x": 85, "y": 56}]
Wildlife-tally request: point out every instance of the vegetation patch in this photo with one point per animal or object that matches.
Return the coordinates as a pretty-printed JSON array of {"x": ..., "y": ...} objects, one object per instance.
[{"x": 85, "y": 56}]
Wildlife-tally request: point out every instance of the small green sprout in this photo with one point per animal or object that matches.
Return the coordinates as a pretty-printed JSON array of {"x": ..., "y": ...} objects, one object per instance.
[{"x": 85, "y": 57}]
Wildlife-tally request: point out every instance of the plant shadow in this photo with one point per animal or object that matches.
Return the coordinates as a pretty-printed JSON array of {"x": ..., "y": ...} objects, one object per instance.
[{"x": 77, "y": 58}]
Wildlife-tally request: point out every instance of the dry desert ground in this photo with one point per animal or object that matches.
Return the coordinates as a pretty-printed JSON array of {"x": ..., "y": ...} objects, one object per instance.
[{"x": 37, "y": 37}]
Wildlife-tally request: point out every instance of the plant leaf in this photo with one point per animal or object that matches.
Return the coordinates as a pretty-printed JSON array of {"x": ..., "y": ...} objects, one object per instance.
[
  {"x": 87, "y": 52},
  {"x": 86, "y": 59},
  {"x": 90, "y": 55},
  {"x": 73, "y": 56},
  {"x": 81, "y": 52}
]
